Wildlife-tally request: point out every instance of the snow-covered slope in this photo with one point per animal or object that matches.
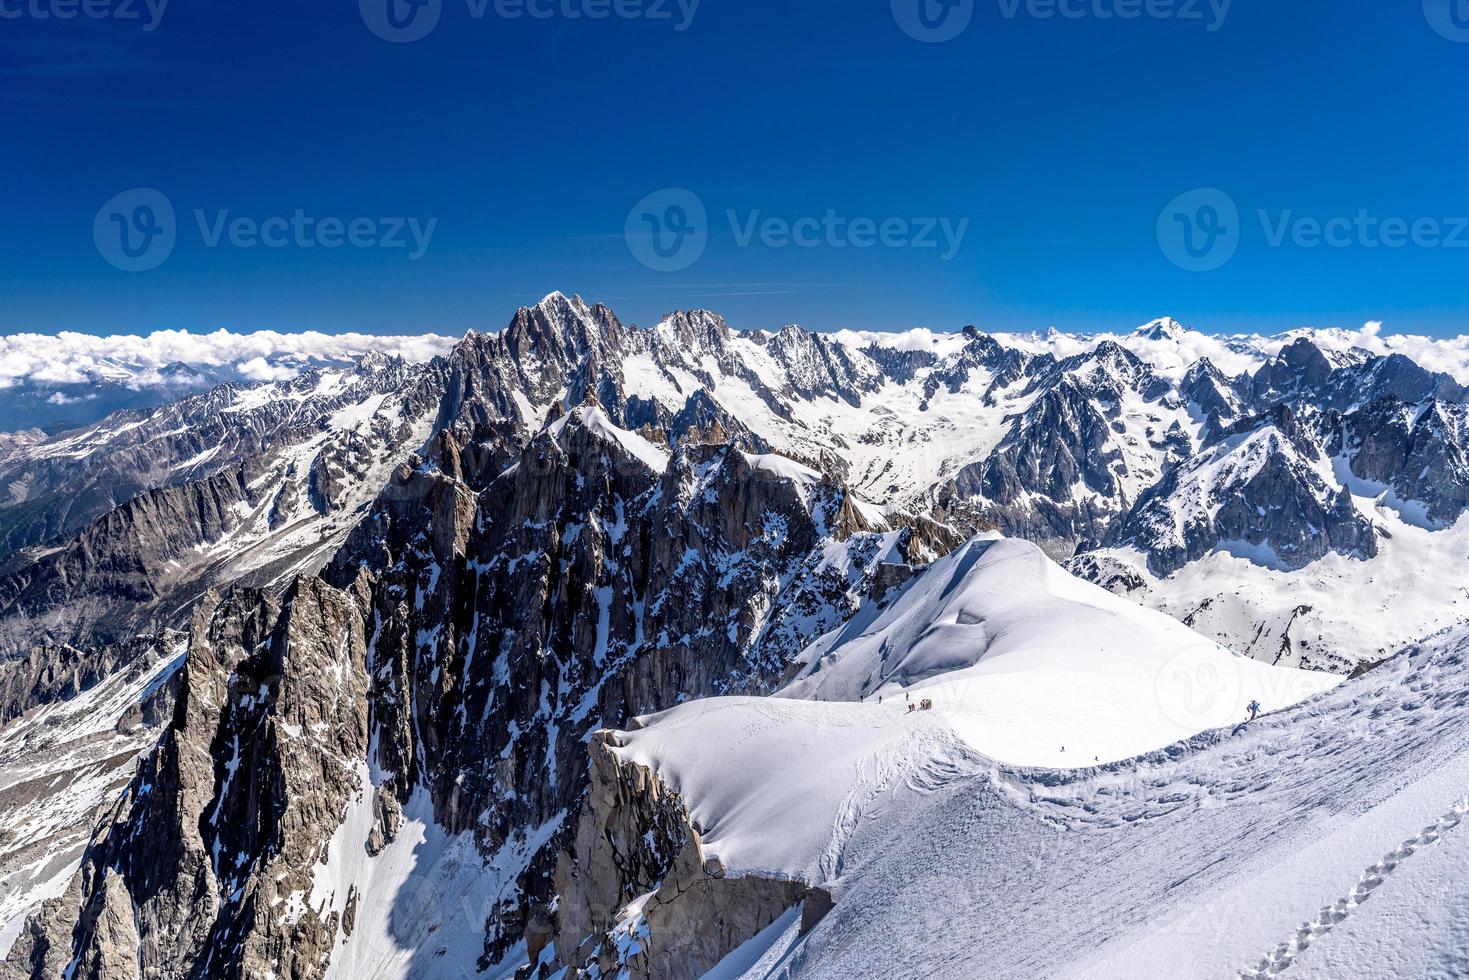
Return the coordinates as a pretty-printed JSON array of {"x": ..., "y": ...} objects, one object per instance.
[
  {"x": 1023, "y": 664},
  {"x": 1333, "y": 614},
  {"x": 1238, "y": 854},
  {"x": 1202, "y": 859},
  {"x": 1032, "y": 666}
]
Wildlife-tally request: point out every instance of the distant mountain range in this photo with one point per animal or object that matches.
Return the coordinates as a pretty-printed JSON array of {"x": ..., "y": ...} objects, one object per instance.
[
  {"x": 52, "y": 383},
  {"x": 323, "y": 675}
]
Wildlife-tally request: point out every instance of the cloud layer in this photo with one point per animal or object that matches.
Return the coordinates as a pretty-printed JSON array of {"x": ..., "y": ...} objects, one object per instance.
[
  {"x": 153, "y": 361},
  {"x": 76, "y": 358}
]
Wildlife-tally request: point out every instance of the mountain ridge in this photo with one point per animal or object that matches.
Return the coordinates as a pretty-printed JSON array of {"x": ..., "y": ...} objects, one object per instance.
[{"x": 572, "y": 523}]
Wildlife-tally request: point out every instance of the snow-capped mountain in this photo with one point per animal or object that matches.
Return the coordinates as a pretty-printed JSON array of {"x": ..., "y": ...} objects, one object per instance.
[
  {"x": 368, "y": 626},
  {"x": 53, "y": 383},
  {"x": 116, "y": 529},
  {"x": 1165, "y": 464}
]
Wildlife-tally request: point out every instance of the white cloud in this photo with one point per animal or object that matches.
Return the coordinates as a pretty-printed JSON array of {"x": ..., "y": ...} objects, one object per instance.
[
  {"x": 76, "y": 358},
  {"x": 61, "y": 398},
  {"x": 259, "y": 369},
  {"x": 917, "y": 339}
]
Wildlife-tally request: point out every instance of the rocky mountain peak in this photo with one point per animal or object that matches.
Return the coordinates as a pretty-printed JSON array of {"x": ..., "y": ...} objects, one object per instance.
[
  {"x": 562, "y": 330},
  {"x": 695, "y": 330},
  {"x": 1299, "y": 369},
  {"x": 1165, "y": 328},
  {"x": 571, "y": 524}
]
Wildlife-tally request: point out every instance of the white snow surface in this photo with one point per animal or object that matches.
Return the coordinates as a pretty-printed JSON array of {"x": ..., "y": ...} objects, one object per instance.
[
  {"x": 1325, "y": 839},
  {"x": 1025, "y": 665},
  {"x": 422, "y": 901},
  {"x": 1335, "y": 612}
]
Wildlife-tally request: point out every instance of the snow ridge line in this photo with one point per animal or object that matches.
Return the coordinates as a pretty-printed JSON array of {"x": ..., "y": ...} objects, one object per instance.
[{"x": 1330, "y": 917}]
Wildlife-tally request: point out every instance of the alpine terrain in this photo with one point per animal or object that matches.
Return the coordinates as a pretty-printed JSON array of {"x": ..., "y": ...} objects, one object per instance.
[{"x": 583, "y": 649}]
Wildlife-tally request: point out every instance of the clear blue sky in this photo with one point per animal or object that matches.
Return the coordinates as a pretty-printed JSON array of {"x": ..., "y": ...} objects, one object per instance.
[{"x": 529, "y": 140}]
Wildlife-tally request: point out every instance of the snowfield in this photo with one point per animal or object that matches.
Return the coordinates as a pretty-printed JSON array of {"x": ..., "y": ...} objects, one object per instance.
[
  {"x": 1323, "y": 838},
  {"x": 1332, "y": 614}
]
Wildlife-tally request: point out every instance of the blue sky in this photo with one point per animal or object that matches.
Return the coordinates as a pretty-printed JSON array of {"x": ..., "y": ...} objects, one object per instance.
[{"x": 524, "y": 143}]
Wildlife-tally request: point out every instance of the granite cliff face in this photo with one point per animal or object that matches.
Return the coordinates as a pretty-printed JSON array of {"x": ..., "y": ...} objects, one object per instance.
[
  {"x": 410, "y": 597},
  {"x": 475, "y": 631},
  {"x": 638, "y": 895},
  {"x": 201, "y": 867}
]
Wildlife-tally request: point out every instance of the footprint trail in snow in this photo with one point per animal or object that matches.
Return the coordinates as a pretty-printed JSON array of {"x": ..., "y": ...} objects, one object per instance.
[{"x": 1333, "y": 915}]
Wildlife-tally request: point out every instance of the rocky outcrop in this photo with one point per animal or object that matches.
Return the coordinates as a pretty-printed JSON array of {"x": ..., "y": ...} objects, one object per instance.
[
  {"x": 200, "y": 868},
  {"x": 1415, "y": 454},
  {"x": 637, "y": 892},
  {"x": 1261, "y": 490},
  {"x": 1302, "y": 375},
  {"x": 594, "y": 580},
  {"x": 46, "y": 675}
]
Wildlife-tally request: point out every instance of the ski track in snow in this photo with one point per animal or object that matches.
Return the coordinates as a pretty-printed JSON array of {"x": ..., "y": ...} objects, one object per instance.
[{"x": 1280, "y": 959}]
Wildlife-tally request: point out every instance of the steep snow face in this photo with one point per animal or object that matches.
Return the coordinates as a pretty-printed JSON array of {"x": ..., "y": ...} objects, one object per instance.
[
  {"x": 1202, "y": 859},
  {"x": 594, "y": 420},
  {"x": 1023, "y": 664},
  {"x": 421, "y": 898}
]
